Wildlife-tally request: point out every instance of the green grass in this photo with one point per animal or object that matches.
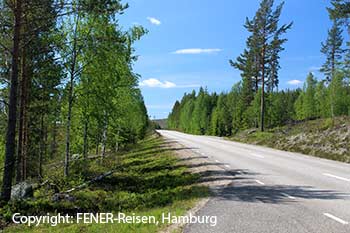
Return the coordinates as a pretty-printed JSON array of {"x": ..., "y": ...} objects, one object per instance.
[{"x": 147, "y": 181}]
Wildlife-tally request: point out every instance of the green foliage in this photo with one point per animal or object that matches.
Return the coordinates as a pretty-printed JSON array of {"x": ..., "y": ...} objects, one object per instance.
[
  {"x": 333, "y": 51},
  {"x": 317, "y": 100},
  {"x": 306, "y": 103},
  {"x": 81, "y": 88},
  {"x": 145, "y": 179}
]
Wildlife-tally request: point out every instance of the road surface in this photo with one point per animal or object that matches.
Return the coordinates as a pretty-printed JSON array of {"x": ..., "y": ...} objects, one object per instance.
[{"x": 272, "y": 190}]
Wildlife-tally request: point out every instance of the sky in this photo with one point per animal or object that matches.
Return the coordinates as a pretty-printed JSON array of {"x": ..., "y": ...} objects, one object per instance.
[{"x": 190, "y": 42}]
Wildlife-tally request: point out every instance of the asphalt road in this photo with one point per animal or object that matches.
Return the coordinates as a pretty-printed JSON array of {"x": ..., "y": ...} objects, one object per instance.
[{"x": 272, "y": 190}]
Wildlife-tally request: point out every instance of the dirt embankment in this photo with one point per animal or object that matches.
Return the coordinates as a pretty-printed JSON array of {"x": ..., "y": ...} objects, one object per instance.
[{"x": 326, "y": 138}]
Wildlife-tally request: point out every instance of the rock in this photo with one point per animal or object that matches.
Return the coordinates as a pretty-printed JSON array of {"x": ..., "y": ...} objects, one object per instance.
[
  {"x": 22, "y": 190},
  {"x": 251, "y": 131},
  {"x": 76, "y": 156},
  {"x": 62, "y": 197}
]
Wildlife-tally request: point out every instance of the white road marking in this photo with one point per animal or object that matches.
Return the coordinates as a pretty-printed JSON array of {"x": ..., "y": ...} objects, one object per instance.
[
  {"x": 257, "y": 155},
  {"x": 259, "y": 182},
  {"x": 337, "y": 177},
  {"x": 289, "y": 196},
  {"x": 336, "y": 218}
]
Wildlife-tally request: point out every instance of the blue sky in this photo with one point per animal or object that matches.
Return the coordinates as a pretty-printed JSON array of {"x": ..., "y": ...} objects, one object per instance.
[{"x": 190, "y": 42}]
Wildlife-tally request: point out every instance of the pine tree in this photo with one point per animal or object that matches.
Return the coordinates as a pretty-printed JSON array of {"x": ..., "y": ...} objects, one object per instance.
[
  {"x": 299, "y": 107},
  {"x": 337, "y": 96},
  {"x": 174, "y": 116},
  {"x": 309, "y": 100},
  {"x": 305, "y": 105},
  {"x": 12, "y": 113},
  {"x": 263, "y": 46},
  {"x": 332, "y": 49},
  {"x": 322, "y": 100}
]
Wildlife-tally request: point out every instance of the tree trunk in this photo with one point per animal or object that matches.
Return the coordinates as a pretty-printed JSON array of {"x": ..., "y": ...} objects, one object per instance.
[
  {"x": 69, "y": 116},
  {"x": 25, "y": 147},
  {"x": 104, "y": 140},
  {"x": 85, "y": 146},
  {"x": 70, "y": 99},
  {"x": 262, "y": 106},
  {"x": 12, "y": 112},
  {"x": 332, "y": 77},
  {"x": 42, "y": 146},
  {"x": 22, "y": 109},
  {"x": 97, "y": 144},
  {"x": 53, "y": 148}
]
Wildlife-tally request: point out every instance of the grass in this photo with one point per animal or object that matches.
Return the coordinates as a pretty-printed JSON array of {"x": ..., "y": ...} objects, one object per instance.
[{"x": 147, "y": 181}]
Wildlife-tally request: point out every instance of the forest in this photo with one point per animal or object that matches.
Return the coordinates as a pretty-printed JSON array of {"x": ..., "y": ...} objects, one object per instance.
[
  {"x": 256, "y": 101},
  {"x": 68, "y": 89},
  {"x": 75, "y": 135}
]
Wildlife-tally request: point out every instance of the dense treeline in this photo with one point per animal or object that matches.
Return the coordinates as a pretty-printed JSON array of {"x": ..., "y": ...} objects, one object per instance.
[
  {"x": 67, "y": 84},
  {"x": 255, "y": 101}
]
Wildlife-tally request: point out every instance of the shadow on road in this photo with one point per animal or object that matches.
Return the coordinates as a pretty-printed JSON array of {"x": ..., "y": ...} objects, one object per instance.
[
  {"x": 192, "y": 158},
  {"x": 275, "y": 194}
]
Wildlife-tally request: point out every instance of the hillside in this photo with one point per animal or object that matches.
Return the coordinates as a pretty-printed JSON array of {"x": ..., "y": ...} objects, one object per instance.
[{"x": 325, "y": 138}]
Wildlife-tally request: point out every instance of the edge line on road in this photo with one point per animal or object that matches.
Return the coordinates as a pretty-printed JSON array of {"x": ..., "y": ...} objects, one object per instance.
[
  {"x": 336, "y": 218},
  {"x": 337, "y": 177},
  {"x": 289, "y": 196},
  {"x": 259, "y": 182},
  {"x": 257, "y": 155}
]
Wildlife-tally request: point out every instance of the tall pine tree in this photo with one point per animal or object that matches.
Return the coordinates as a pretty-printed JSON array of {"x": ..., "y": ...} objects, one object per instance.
[{"x": 332, "y": 49}]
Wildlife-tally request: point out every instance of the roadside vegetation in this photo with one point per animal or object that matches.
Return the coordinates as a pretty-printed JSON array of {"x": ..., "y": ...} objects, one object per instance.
[
  {"x": 326, "y": 138},
  {"x": 256, "y": 104},
  {"x": 145, "y": 180}
]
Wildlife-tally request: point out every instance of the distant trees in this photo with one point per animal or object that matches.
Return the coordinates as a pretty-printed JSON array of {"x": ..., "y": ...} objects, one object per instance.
[
  {"x": 318, "y": 100},
  {"x": 225, "y": 116}
]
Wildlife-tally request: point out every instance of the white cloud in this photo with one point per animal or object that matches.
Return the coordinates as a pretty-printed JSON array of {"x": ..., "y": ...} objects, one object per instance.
[
  {"x": 152, "y": 82},
  {"x": 155, "y": 83},
  {"x": 294, "y": 82},
  {"x": 154, "y": 21},
  {"x": 196, "y": 51}
]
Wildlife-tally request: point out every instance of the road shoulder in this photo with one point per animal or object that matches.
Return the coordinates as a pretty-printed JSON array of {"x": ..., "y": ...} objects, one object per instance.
[{"x": 212, "y": 175}]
